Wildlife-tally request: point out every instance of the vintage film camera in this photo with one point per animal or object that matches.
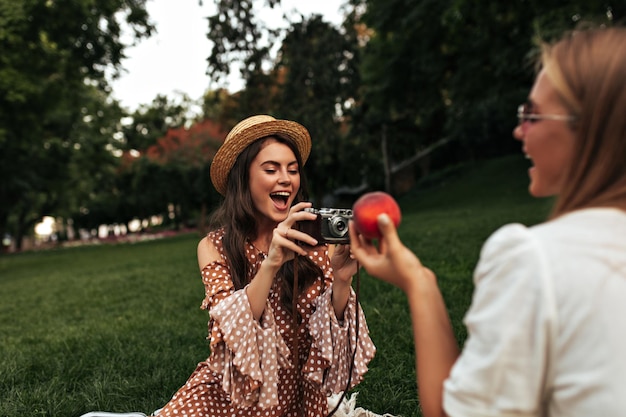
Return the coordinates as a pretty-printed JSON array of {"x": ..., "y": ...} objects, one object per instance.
[{"x": 331, "y": 225}]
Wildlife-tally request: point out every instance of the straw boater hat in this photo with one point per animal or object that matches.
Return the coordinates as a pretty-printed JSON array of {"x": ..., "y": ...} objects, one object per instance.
[{"x": 246, "y": 132}]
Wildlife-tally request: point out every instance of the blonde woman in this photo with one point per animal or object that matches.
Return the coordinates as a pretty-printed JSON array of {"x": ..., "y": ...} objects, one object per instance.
[{"x": 545, "y": 332}]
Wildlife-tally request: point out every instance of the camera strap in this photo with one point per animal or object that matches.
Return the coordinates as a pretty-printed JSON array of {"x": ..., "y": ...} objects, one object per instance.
[
  {"x": 296, "y": 326},
  {"x": 356, "y": 338},
  {"x": 294, "y": 314}
]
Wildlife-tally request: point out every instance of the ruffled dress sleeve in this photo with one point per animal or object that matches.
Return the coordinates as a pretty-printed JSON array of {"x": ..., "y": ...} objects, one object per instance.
[
  {"x": 334, "y": 343},
  {"x": 245, "y": 354}
]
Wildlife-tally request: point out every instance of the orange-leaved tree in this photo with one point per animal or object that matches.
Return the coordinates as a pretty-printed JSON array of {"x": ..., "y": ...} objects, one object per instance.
[{"x": 184, "y": 156}]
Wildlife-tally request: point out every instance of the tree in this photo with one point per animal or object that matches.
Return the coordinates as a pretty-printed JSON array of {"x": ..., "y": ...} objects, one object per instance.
[
  {"x": 182, "y": 158},
  {"x": 95, "y": 157},
  {"x": 312, "y": 81},
  {"x": 53, "y": 55},
  {"x": 151, "y": 121},
  {"x": 450, "y": 70},
  {"x": 320, "y": 81},
  {"x": 241, "y": 41},
  {"x": 236, "y": 34},
  {"x": 128, "y": 188}
]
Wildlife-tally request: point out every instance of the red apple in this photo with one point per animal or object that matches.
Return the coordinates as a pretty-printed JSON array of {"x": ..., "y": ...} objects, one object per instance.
[{"x": 368, "y": 207}]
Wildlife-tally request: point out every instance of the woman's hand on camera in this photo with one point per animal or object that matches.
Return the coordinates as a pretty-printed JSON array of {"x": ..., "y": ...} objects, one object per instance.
[
  {"x": 390, "y": 261},
  {"x": 286, "y": 238}
]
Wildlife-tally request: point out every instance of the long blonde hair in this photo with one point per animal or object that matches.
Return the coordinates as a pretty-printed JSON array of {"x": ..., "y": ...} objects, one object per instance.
[{"x": 588, "y": 69}]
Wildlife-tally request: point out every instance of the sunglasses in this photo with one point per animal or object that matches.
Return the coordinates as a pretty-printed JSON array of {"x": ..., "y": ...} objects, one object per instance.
[{"x": 525, "y": 114}]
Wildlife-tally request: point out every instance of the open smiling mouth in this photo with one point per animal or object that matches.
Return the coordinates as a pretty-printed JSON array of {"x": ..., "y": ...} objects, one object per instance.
[{"x": 280, "y": 197}]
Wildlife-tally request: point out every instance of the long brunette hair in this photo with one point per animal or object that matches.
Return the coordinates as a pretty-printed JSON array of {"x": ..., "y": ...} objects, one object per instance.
[{"x": 237, "y": 215}]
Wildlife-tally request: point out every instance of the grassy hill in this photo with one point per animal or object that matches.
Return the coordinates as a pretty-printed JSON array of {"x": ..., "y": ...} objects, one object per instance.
[{"x": 118, "y": 327}]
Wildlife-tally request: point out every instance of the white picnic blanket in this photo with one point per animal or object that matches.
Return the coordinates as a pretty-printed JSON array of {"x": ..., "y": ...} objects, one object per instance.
[{"x": 348, "y": 407}]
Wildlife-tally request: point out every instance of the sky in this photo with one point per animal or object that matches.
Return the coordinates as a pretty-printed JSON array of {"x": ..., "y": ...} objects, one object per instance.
[{"x": 174, "y": 58}]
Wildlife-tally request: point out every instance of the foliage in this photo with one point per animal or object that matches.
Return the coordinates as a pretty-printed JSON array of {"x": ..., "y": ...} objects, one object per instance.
[
  {"x": 194, "y": 146},
  {"x": 454, "y": 69},
  {"x": 151, "y": 121},
  {"x": 376, "y": 93},
  {"x": 169, "y": 179},
  {"x": 235, "y": 34},
  {"x": 313, "y": 79},
  {"x": 127, "y": 188},
  {"x": 54, "y": 56},
  {"x": 183, "y": 157},
  {"x": 320, "y": 80}
]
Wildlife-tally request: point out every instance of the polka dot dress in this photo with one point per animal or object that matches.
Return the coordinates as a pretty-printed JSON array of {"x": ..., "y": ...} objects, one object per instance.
[{"x": 251, "y": 370}]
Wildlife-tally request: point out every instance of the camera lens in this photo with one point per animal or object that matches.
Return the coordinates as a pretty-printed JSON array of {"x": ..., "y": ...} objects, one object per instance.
[{"x": 338, "y": 226}]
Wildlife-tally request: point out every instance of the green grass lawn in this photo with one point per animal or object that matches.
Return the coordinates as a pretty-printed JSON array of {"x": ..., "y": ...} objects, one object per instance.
[{"x": 119, "y": 328}]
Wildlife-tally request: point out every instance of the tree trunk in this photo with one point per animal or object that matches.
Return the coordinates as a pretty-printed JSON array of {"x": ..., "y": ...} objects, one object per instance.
[{"x": 386, "y": 164}]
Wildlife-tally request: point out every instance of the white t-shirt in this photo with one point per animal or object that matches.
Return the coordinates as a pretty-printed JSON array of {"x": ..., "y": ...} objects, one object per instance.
[{"x": 546, "y": 328}]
